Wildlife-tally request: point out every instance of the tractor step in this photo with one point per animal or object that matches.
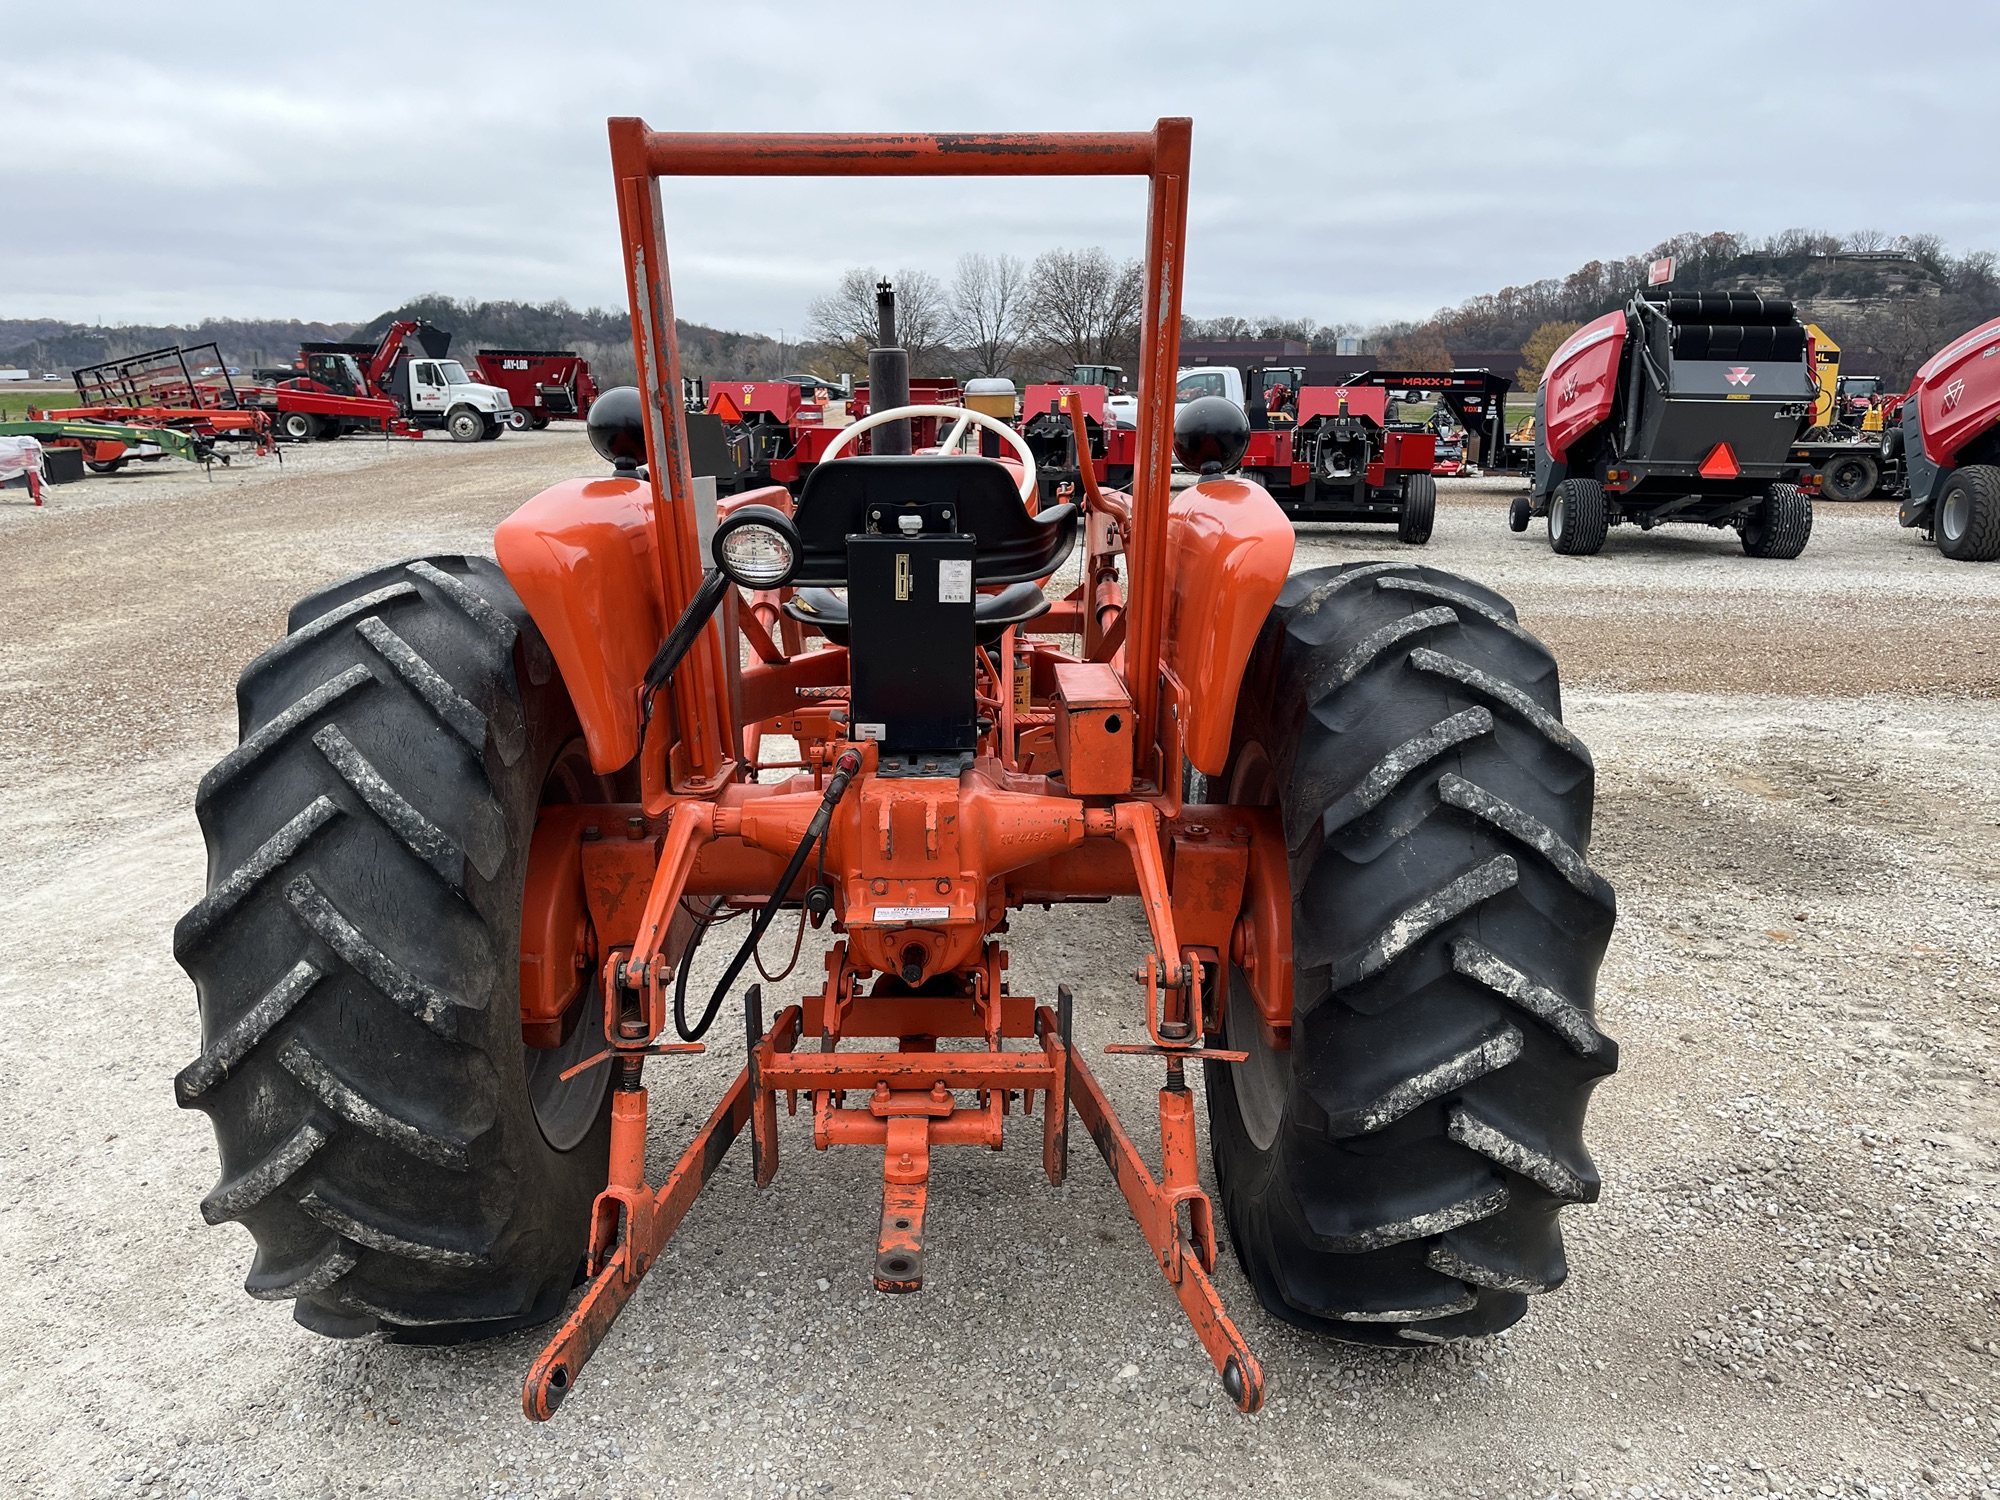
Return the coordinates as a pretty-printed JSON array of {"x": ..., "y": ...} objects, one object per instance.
[{"x": 912, "y": 1104}]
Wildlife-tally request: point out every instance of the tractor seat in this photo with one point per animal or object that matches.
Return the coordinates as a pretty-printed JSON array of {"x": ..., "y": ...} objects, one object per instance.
[
  {"x": 1016, "y": 604},
  {"x": 970, "y": 496}
]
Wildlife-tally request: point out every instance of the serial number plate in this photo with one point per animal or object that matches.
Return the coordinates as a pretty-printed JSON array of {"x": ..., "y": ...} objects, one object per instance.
[
  {"x": 955, "y": 581},
  {"x": 913, "y": 913}
]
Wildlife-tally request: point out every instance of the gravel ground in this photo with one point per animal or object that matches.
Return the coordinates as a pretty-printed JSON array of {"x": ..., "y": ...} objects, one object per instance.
[{"x": 1789, "y": 1286}]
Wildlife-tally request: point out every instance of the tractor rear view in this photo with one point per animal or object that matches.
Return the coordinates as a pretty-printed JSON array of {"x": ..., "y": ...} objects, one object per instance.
[
  {"x": 1949, "y": 440},
  {"x": 1684, "y": 409},
  {"x": 482, "y": 811}
]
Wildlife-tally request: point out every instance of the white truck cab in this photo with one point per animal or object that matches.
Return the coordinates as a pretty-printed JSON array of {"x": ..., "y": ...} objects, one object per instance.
[
  {"x": 438, "y": 393},
  {"x": 1207, "y": 380}
]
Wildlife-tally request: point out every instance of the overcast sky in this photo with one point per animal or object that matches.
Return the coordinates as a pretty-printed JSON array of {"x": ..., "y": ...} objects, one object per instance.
[{"x": 1352, "y": 163}]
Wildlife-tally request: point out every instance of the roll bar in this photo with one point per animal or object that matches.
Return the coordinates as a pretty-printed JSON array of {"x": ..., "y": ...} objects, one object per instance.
[{"x": 640, "y": 157}]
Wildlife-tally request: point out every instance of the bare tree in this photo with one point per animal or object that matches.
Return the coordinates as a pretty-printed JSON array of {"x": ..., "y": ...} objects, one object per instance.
[
  {"x": 1865, "y": 240},
  {"x": 989, "y": 297},
  {"x": 843, "y": 320},
  {"x": 1083, "y": 307}
]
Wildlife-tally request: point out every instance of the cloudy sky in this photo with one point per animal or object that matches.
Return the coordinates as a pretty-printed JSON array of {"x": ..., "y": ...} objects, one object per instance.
[{"x": 1352, "y": 163}]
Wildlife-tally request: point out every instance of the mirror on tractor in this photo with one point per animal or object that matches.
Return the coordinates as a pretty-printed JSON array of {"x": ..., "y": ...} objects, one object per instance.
[
  {"x": 617, "y": 427},
  {"x": 1210, "y": 435}
]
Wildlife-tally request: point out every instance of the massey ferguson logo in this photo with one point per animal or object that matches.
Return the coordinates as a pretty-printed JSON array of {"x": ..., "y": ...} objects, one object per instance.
[
  {"x": 1740, "y": 375},
  {"x": 1569, "y": 388},
  {"x": 1951, "y": 394},
  {"x": 749, "y": 391}
]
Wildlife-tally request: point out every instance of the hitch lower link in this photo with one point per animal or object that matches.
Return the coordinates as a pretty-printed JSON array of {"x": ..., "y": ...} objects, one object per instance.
[{"x": 911, "y": 1104}]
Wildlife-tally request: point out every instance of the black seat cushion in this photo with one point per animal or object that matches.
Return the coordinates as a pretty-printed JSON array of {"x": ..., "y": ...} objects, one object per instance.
[
  {"x": 840, "y": 500},
  {"x": 992, "y": 613}
]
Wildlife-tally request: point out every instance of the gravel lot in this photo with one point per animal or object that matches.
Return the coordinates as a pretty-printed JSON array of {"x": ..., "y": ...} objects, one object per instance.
[{"x": 1789, "y": 1286}]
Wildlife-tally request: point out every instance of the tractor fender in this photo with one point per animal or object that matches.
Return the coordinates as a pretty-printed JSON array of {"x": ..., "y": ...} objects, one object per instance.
[
  {"x": 1229, "y": 548},
  {"x": 581, "y": 556}
]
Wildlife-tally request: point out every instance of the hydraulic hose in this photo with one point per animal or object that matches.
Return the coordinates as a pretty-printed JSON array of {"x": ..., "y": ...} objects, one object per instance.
[{"x": 844, "y": 770}]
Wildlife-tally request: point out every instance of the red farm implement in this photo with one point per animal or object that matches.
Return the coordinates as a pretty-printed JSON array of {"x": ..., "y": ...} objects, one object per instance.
[
  {"x": 188, "y": 391},
  {"x": 544, "y": 385}
]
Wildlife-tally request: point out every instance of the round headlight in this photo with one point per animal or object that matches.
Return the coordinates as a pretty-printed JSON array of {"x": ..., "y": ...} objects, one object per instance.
[{"x": 757, "y": 547}]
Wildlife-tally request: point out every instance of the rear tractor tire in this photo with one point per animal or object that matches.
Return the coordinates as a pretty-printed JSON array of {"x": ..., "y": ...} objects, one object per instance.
[
  {"x": 465, "y": 425},
  {"x": 1578, "y": 520},
  {"x": 1393, "y": 1167},
  {"x": 1419, "y": 513},
  {"x": 1967, "y": 524},
  {"x": 404, "y": 1163},
  {"x": 1781, "y": 524}
]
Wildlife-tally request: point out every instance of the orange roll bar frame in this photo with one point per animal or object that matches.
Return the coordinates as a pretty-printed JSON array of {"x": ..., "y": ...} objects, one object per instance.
[{"x": 640, "y": 157}]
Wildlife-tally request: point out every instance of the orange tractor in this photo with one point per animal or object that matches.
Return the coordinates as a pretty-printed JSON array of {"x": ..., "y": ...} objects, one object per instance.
[{"x": 481, "y": 813}]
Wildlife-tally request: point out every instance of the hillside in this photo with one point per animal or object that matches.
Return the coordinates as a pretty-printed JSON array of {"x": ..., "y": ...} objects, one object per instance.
[
  {"x": 603, "y": 337},
  {"x": 1888, "y": 303}
]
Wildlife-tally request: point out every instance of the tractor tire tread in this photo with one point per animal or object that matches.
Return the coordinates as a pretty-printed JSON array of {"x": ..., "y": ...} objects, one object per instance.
[
  {"x": 1447, "y": 929},
  {"x": 361, "y": 1044}
]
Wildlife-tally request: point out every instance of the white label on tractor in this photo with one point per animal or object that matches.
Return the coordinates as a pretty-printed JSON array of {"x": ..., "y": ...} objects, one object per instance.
[
  {"x": 913, "y": 913},
  {"x": 955, "y": 580},
  {"x": 871, "y": 731}
]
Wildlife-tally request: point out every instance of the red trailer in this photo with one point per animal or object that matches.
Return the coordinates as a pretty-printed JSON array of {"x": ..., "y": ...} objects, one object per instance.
[{"x": 543, "y": 384}]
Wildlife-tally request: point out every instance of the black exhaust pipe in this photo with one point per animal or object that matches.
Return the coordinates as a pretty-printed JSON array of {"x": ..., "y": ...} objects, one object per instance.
[{"x": 888, "y": 374}]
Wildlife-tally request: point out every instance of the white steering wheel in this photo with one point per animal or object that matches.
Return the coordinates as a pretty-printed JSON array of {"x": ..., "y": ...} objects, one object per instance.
[{"x": 1030, "y": 486}]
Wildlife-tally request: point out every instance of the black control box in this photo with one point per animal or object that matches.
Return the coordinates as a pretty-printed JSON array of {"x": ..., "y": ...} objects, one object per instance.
[{"x": 910, "y": 603}]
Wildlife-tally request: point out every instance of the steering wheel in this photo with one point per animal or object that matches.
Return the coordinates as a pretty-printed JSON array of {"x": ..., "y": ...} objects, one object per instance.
[{"x": 1030, "y": 486}]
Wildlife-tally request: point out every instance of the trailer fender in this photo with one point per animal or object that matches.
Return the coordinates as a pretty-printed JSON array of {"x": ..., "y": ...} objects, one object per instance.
[
  {"x": 580, "y": 555},
  {"x": 1229, "y": 548}
]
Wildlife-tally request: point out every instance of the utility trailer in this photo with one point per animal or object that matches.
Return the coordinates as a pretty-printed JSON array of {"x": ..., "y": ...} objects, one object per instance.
[
  {"x": 1949, "y": 442},
  {"x": 1685, "y": 409},
  {"x": 542, "y": 384}
]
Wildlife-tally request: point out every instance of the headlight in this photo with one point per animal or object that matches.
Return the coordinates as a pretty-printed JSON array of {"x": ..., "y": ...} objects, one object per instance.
[{"x": 757, "y": 547}]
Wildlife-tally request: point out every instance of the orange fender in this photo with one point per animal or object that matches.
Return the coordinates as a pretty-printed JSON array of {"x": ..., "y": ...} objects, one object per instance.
[
  {"x": 1229, "y": 548},
  {"x": 580, "y": 555}
]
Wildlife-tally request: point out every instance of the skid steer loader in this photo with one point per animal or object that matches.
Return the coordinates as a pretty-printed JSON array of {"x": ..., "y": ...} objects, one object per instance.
[{"x": 482, "y": 809}]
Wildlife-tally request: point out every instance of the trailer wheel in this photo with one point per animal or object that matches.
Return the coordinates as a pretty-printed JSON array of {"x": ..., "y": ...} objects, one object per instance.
[
  {"x": 517, "y": 419},
  {"x": 1392, "y": 1170},
  {"x": 1780, "y": 525},
  {"x": 1519, "y": 514},
  {"x": 1851, "y": 476},
  {"x": 298, "y": 426},
  {"x": 540, "y": 420},
  {"x": 1577, "y": 519},
  {"x": 106, "y": 466},
  {"x": 1419, "y": 513},
  {"x": 1968, "y": 514},
  {"x": 465, "y": 425},
  {"x": 402, "y": 1160}
]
